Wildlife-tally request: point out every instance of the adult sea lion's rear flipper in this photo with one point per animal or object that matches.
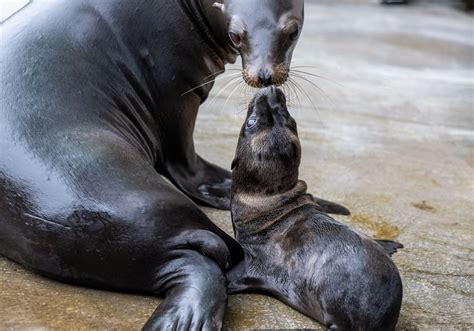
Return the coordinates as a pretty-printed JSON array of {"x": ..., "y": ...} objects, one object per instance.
[
  {"x": 331, "y": 207},
  {"x": 391, "y": 247}
]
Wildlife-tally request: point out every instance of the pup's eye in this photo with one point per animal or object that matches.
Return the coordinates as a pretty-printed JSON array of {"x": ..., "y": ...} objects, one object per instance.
[
  {"x": 235, "y": 38},
  {"x": 251, "y": 121}
]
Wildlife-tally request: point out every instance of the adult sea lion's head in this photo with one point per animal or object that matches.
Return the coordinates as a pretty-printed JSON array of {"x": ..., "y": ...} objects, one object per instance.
[
  {"x": 264, "y": 33},
  {"x": 268, "y": 152}
]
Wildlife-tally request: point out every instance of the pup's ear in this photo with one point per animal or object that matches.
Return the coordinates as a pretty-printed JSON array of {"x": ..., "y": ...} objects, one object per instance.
[{"x": 234, "y": 163}]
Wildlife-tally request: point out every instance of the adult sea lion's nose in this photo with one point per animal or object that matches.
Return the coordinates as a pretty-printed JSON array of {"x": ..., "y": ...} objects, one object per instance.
[{"x": 265, "y": 77}]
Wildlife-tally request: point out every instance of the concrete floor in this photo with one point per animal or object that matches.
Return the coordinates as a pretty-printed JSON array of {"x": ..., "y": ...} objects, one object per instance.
[{"x": 391, "y": 137}]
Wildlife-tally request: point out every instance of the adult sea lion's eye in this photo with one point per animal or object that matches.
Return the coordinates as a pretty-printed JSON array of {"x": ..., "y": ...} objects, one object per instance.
[
  {"x": 235, "y": 38},
  {"x": 294, "y": 35},
  {"x": 251, "y": 121}
]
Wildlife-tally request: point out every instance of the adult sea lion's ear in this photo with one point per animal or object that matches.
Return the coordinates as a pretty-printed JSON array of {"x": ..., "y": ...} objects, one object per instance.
[
  {"x": 234, "y": 163},
  {"x": 219, "y": 5}
]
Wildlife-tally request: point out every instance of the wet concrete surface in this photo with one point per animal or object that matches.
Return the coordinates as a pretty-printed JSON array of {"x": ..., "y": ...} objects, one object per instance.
[{"x": 389, "y": 133}]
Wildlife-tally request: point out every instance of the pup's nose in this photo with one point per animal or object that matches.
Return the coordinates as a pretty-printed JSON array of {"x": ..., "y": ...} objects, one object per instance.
[
  {"x": 265, "y": 77},
  {"x": 272, "y": 101},
  {"x": 273, "y": 95}
]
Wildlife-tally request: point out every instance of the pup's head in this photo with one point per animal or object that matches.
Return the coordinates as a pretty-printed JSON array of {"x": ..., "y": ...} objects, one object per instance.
[
  {"x": 268, "y": 152},
  {"x": 265, "y": 33}
]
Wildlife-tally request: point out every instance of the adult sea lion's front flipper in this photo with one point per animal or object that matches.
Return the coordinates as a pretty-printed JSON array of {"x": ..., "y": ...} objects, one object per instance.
[{"x": 207, "y": 184}]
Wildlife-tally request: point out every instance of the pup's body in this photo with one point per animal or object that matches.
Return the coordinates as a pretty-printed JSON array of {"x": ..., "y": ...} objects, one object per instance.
[{"x": 293, "y": 250}]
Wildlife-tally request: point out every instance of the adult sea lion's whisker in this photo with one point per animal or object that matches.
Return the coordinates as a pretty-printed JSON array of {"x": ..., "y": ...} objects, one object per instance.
[
  {"x": 308, "y": 73},
  {"x": 232, "y": 92},
  {"x": 317, "y": 76},
  {"x": 289, "y": 97},
  {"x": 313, "y": 84},
  {"x": 243, "y": 93},
  {"x": 222, "y": 71},
  {"x": 209, "y": 82},
  {"x": 249, "y": 90},
  {"x": 214, "y": 74},
  {"x": 297, "y": 87},
  {"x": 292, "y": 95},
  {"x": 312, "y": 67},
  {"x": 292, "y": 89},
  {"x": 322, "y": 92},
  {"x": 303, "y": 91},
  {"x": 229, "y": 83}
]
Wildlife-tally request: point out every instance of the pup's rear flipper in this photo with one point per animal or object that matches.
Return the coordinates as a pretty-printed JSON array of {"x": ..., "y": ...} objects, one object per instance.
[
  {"x": 391, "y": 247},
  {"x": 331, "y": 207}
]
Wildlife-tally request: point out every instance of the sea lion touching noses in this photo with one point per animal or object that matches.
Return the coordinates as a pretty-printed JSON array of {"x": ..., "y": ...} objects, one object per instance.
[{"x": 293, "y": 250}]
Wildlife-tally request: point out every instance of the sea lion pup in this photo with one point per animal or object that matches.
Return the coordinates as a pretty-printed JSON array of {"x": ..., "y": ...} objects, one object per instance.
[{"x": 293, "y": 250}]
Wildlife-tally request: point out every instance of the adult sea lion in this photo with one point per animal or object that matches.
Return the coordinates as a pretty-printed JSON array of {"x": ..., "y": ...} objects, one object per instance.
[
  {"x": 98, "y": 105},
  {"x": 94, "y": 114},
  {"x": 293, "y": 250}
]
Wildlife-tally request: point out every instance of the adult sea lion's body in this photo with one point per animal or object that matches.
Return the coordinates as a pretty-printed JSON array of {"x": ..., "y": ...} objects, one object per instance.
[
  {"x": 97, "y": 106},
  {"x": 293, "y": 250}
]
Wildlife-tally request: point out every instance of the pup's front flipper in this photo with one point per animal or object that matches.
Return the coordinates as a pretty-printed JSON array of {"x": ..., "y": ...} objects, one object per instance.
[
  {"x": 329, "y": 207},
  {"x": 391, "y": 247},
  {"x": 240, "y": 280}
]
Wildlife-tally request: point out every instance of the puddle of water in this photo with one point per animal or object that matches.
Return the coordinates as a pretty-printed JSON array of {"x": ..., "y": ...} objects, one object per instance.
[{"x": 378, "y": 228}]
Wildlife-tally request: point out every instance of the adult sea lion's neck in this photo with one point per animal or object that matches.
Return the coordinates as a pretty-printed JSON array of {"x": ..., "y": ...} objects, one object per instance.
[
  {"x": 212, "y": 24},
  {"x": 142, "y": 23}
]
